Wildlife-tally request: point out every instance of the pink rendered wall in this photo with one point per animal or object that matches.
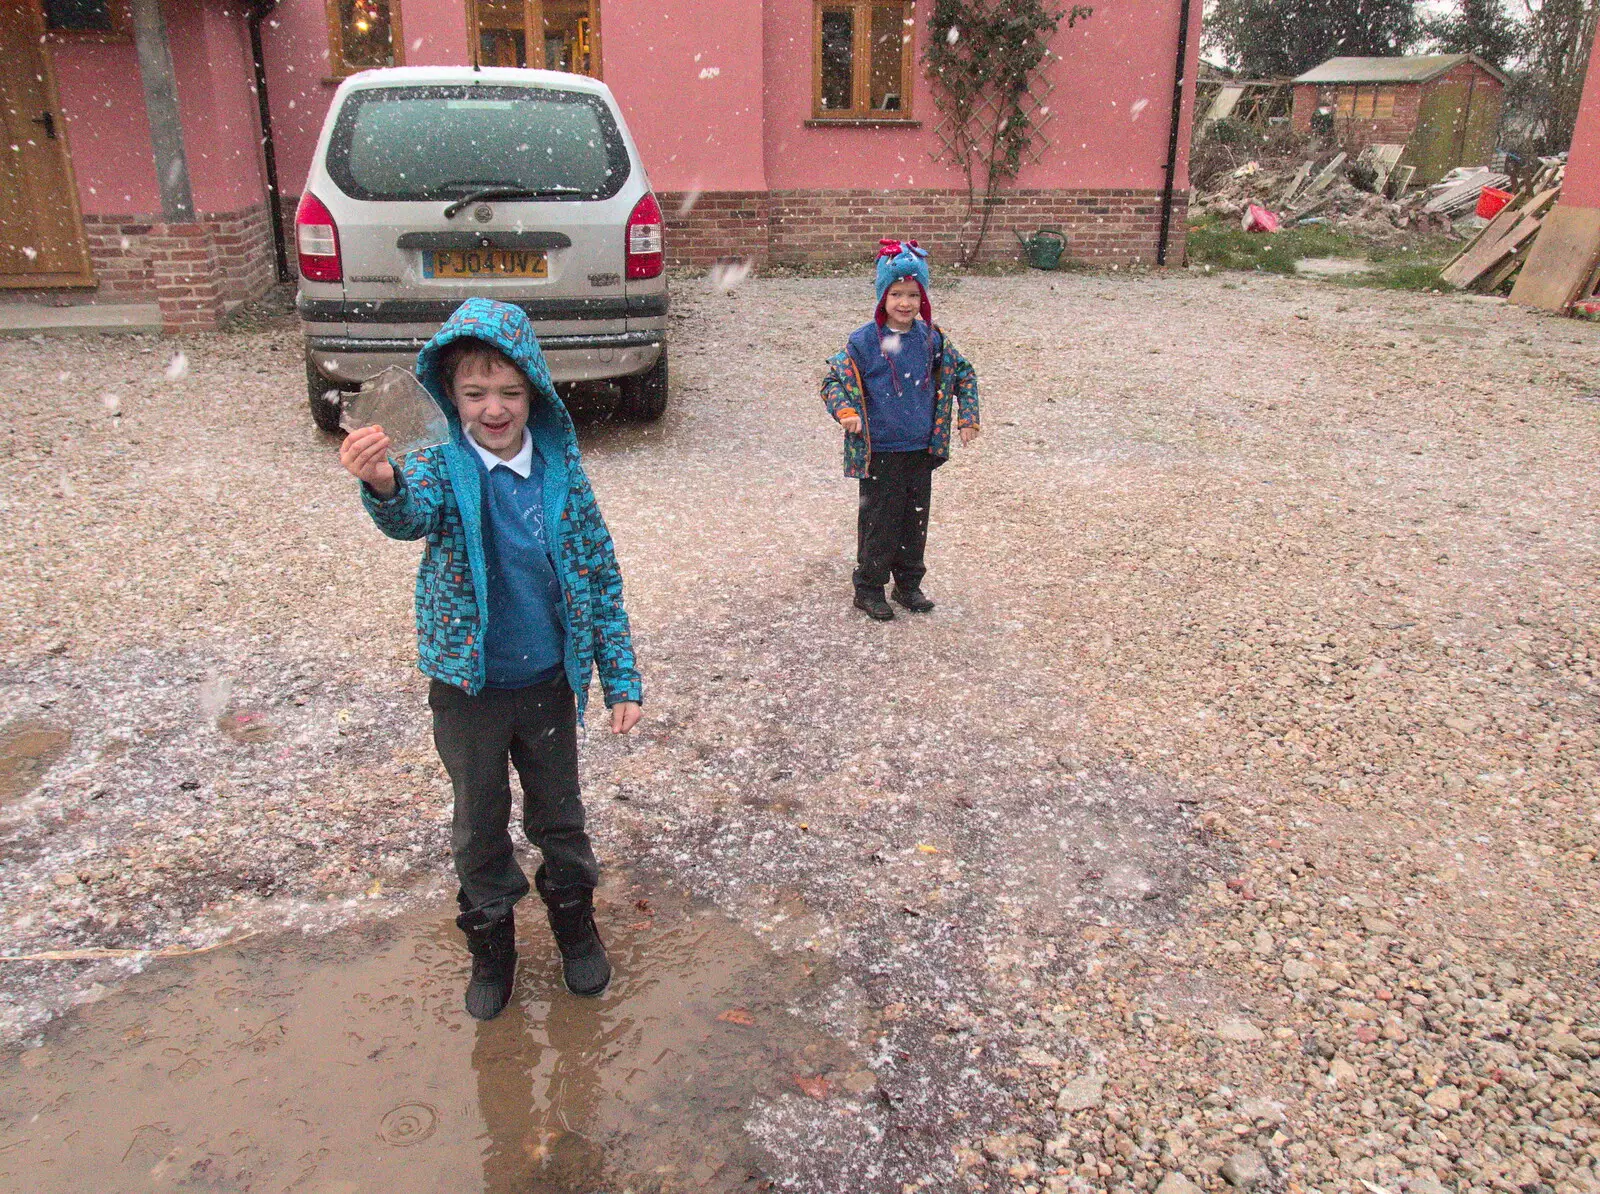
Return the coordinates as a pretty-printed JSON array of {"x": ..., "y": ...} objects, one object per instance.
[
  {"x": 1109, "y": 111},
  {"x": 221, "y": 128},
  {"x": 689, "y": 80},
  {"x": 435, "y": 32},
  {"x": 108, "y": 135},
  {"x": 102, "y": 100},
  {"x": 294, "y": 43},
  {"x": 1581, "y": 187},
  {"x": 717, "y": 95}
]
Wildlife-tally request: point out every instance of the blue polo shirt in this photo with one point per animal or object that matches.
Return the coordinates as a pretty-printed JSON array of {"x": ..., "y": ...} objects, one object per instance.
[
  {"x": 525, "y": 642},
  {"x": 897, "y": 372}
]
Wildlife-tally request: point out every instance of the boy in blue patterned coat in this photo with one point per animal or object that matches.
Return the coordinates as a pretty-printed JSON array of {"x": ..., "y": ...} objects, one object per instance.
[
  {"x": 893, "y": 389},
  {"x": 518, "y": 600}
]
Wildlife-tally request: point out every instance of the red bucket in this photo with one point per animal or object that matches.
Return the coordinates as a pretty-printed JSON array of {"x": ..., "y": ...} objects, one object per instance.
[{"x": 1491, "y": 200}]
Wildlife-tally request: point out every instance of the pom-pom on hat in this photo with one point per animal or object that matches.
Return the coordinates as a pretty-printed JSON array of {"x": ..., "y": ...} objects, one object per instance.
[{"x": 896, "y": 260}]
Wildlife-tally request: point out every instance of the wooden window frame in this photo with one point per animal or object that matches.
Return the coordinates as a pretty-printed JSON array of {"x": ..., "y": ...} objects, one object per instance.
[
  {"x": 533, "y": 36},
  {"x": 1366, "y": 102},
  {"x": 120, "y": 33},
  {"x": 860, "y": 112},
  {"x": 337, "y": 67}
]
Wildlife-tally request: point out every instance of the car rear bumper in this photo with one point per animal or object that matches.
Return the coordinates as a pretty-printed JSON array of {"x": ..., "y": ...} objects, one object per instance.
[{"x": 350, "y": 360}]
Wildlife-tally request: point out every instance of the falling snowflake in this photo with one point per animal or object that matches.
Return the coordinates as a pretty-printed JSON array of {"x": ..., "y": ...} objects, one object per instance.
[
  {"x": 177, "y": 367},
  {"x": 1138, "y": 107},
  {"x": 112, "y": 403},
  {"x": 710, "y": 72},
  {"x": 729, "y": 275},
  {"x": 891, "y": 343},
  {"x": 953, "y": 36},
  {"x": 686, "y": 204},
  {"x": 29, "y": 252}
]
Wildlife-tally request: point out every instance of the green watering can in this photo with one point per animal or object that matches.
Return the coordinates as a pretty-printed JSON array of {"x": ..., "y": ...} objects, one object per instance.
[{"x": 1043, "y": 248}]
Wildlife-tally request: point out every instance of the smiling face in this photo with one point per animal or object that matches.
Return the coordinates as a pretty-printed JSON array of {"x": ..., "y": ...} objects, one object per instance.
[
  {"x": 492, "y": 398},
  {"x": 901, "y": 303}
]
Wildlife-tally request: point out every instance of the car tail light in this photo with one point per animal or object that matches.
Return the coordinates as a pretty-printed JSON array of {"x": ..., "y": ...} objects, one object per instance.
[
  {"x": 645, "y": 258},
  {"x": 317, "y": 239}
]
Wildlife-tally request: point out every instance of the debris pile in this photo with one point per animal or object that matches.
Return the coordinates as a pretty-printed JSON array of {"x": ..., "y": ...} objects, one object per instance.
[
  {"x": 1369, "y": 194},
  {"x": 1552, "y": 252}
]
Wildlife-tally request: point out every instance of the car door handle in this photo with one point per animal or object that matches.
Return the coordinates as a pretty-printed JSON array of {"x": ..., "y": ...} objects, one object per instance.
[{"x": 49, "y": 121}]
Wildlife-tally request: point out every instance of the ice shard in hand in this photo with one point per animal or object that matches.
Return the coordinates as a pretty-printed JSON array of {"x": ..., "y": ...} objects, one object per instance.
[{"x": 396, "y": 401}]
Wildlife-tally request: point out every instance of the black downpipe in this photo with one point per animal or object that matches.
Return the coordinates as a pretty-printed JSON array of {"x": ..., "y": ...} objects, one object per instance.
[
  {"x": 1172, "y": 136},
  {"x": 258, "y": 13}
]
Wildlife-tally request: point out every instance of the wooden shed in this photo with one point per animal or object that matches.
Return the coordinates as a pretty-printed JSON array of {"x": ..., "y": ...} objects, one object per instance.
[{"x": 1444, "y": 108}]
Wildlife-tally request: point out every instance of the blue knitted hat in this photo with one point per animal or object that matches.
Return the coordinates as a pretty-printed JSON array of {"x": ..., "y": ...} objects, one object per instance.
[{"x": 898, "y": 260}]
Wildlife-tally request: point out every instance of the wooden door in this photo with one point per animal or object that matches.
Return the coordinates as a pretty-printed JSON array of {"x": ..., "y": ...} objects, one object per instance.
[
  {"x": 1432, "y": 148},
  {"x": 41, "y": 229}
]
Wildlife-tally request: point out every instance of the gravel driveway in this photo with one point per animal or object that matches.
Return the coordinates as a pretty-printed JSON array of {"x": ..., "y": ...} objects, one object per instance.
[{"x": 1233, "y": 820}]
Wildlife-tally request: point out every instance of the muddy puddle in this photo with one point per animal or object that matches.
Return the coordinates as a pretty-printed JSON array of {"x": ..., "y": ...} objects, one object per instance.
[
  {"x": 27, "y": 750},
  {"x": 346, "y": 1064}
]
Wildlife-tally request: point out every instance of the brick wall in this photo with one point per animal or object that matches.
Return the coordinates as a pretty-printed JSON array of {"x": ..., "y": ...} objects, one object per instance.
[
  {"x": 701, "y": 228},
  {"x": 139, "y": 258},
  {"x": 1305, "y": 105},
  {"x": 244, "y": 253},
  {"x": 1103, "y": 227}
]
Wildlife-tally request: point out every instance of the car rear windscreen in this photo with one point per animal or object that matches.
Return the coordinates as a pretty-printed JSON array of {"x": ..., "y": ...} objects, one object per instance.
[{"x": 440, "y": 142}]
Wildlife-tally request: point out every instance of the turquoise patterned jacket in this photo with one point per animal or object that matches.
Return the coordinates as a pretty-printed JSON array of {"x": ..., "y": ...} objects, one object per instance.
[
  {"x": 955, "y": 384},
  {"x": 440, "y": 499}
]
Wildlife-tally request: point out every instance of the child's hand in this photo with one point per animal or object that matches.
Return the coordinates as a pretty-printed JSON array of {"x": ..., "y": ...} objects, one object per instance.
[
  {"x": 968, "y": 434},
  {"x": 365, "y": 454},
  {"x": 851, "y": 423},
  {"x": 624, "y": 716}
]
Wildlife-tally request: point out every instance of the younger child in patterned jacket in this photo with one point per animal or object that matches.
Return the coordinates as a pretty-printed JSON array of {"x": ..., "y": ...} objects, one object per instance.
[
  {"x": 518, "y": 601},
  {"x": 893, "y": 388}
]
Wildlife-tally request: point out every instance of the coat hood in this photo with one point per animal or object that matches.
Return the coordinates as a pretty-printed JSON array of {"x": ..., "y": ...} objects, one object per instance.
[{"x": 508, "y": 328}]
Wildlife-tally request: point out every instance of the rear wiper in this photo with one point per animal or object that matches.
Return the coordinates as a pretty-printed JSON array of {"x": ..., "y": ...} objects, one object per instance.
[{"x": 472, "y": 197}]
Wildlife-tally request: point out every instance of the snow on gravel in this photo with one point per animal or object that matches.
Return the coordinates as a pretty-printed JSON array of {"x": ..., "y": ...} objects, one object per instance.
[{"x": 1233, "y": 821}]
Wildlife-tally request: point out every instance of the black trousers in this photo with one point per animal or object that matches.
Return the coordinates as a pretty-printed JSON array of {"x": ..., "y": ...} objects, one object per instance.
[
  {"x": 535, "y": 728},
  {"x": 892, "y": 527}
]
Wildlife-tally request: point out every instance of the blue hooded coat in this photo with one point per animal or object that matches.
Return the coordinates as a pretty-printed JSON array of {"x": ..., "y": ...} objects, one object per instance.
[{"x": 440, "y": 498}]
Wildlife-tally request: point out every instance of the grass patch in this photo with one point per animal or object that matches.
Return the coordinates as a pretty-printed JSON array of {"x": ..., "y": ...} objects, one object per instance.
[
  {"x": 1400, "y": 275},
  {"x": 1409, "y": 264},
  {"x": 1222, "y": 244}
]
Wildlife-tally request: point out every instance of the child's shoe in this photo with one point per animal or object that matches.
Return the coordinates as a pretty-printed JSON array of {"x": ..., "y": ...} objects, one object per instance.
[
  {"x": 494, "y": 964},
  {"x": 914, "y": 600},
  {"x": 584, "y": 966},
  {"x": 871, "y": 603}
]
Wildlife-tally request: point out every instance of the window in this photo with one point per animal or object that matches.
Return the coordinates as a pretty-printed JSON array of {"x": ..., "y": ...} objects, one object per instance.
[
  {"x": 88, "y": 20},
  {"x": 543, "y": 34},
  {"x": 363, "y": 34},
  {"x": 861, "y": 60},
  {"x": 1366, "y": 103},
  {"x": 409, "y": 143}
]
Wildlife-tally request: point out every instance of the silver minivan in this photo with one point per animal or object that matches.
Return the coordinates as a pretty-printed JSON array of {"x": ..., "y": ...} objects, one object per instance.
[{"x": 431, "y": 185}]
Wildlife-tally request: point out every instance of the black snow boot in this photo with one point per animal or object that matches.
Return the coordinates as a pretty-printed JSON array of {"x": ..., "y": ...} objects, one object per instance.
[
  {"x": 494, "y": 963},
  {"x": 914, "y": 600},
  {"x": 871, "y": 603},
  {"x": 584, "y": 966}
]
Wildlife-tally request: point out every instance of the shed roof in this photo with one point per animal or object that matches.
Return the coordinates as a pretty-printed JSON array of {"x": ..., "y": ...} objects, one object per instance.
[{"x": 1419, "y": 68}]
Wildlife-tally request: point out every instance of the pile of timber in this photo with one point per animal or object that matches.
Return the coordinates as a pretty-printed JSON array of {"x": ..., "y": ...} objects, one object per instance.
[
  {"x": 1457, "y": 193},
  {"x": 1503, "y": 245}
]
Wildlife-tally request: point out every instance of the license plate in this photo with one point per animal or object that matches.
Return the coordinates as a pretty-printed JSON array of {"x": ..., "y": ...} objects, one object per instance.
[{"x": 485, "y": 263}]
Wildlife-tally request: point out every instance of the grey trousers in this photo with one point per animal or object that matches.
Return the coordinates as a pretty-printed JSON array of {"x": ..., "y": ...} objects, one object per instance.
[{"x": 536, "y": 729}]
